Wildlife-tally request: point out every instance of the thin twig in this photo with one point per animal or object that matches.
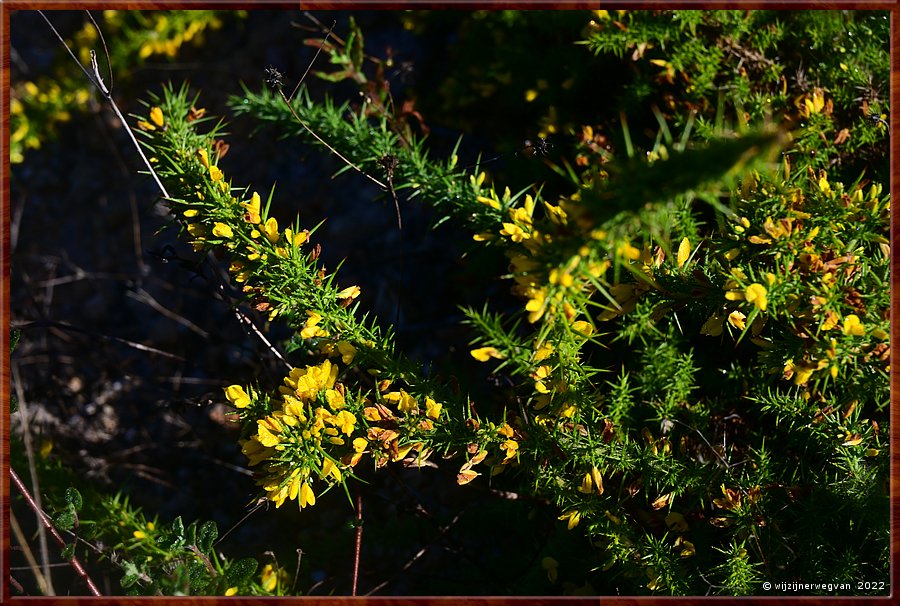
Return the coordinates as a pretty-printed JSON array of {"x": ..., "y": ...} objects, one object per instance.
[
  {"x": 32, "y": 472},
  {"x": 323, "y": 142},
  {"x": 145, "y": 297},
  {"x": 443, "y": 530},
  {"x": 45, "y": 521},
  {"x": 243, "y": 319},
  {"x": 255, "y": 508},
  {"x": 316, "y": 56},
  {"x": 43, "y": 584},
  {"x": 97, "y": 81},
  {"x": 65, "y": 326}
]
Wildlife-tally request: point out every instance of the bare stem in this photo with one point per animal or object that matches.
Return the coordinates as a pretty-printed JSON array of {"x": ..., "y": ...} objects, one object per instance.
[{"x": 45, "y": 521}]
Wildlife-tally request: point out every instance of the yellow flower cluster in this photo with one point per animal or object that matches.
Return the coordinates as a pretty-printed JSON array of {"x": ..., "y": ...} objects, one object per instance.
[
  {"x": 315, "y": 433},
  {"x": 298, "y": 440}
]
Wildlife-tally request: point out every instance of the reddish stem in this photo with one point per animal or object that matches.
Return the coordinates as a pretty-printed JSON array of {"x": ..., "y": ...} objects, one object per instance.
[{"x": 49, "y": 526}]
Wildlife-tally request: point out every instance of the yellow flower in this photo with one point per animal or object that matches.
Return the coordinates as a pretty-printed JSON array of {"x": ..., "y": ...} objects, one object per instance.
[
  {"x": 360, "y": 444},
  {"x": 231, "y": 591},
  {"x": 306, "y": 383},
  {"x": 853, "y": 327},
  {"x": 587, "y": 484},
  {"x": 583, "y": 328},
  {"x": 256, "y": 452},
  {"x": 520, "y": 215},
  {"x": 684, "y": 251},
  {"x": 541, "y": 373},
  {"x": 536, "y": 306},
  {"x": 568, "y": 410},
  {"x": 223, "y": 231},
  {"x": 598, "y": 480},
  {"x": 736, "y": 319},
  {"x": 268, "y": 431},
  {"x": 269, "y": 578},
  {"x": 628, "y": 251},
  {"x": 514, "y": 232},
  {"x": 345, "y": 421},
  {"x": 488, "y": 201},
  {"x": 237, "y": 396},
  {"x": 756, "y": 294},
  {"x": 510, "y": 447},
  {"x": 329, "y": 468},
  {"x": 432, "y": 408},
  {"x": 335, "y": 399},
  {"x": 253, "y": 206},
  {"x": 215, "y": 174},
  {"x": 307, "y": 496},
  {"x": 405, "y": 402},
  {"x": 156, "y": 116},
  {"x": 204, "y": 157},
  {"x": 543, "y": 352},
  {"x": 311, "y": 328},
  {"x": 351, "y": 292},
  {"x": 556, "y": 214},
  {"x": 139, "y": 534},
  {"x": 483, "y": 354},
  {"x": 271, "y": 230},
  {"x": 347, "y": 351},
  {"x": 573, "y": 518},
  {"x": 817, "y": 102}
]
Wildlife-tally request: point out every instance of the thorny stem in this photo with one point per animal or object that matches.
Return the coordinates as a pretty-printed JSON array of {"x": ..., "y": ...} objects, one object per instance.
[{"x": 79, "y": 569}]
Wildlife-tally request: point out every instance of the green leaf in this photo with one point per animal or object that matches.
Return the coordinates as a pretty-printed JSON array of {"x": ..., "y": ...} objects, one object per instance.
[
  {"x": 199, "y": 576},
  {"x": 241, "y": 570},
  {"x": 132, "y": 574},
  {"x": 190, "y": 535},
  {"x": 73, "y": 497},
  {"x": 128, "y": 580},
  {"x": 178, "y": 527},
  {"x": 14, "y": 337},
  {"x": 65, "y": 520},
  {"x": 208, "y": 534}
]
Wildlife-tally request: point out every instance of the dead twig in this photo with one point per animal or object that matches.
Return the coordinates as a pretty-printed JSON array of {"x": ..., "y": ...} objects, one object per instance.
[{"x": 45, "y": 521}]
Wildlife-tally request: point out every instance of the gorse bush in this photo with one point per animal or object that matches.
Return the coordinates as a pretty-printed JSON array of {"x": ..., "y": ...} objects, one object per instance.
[
  {"x": 37, "y": 107},
  {"x": 696, "y": 365}
]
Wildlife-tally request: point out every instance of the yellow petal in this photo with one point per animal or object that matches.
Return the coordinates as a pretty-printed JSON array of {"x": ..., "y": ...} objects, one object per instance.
[
  {"x": 853, "y": 327},
  {"x": 756, "y": 294},
  {"x": 684, "y": 251},
  {"x": 156, "y": 116},
  {"x": 237, "y": 396},
  {"x": 307, "y": 496},
  {"x": 221, "y": 230},
  {"x": 483, "y": 354}
]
